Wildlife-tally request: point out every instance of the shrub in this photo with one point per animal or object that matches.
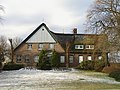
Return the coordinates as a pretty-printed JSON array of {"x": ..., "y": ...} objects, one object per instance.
[
  {"x": 43, "y": 63},
  {"x": 13, "y": 66},
  {"x": 55, "y": 60},
  {"x": 99, "y": 65},
  {"x": 116, "y": 75},
  {"x": 86, "y": 65}
]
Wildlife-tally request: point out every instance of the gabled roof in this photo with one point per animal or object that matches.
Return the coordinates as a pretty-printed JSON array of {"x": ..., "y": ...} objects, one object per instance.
[
  {"x": 43, "y": 24},
  {"x": 74, "y": 38},
  {"x": 64, "y": 38}
]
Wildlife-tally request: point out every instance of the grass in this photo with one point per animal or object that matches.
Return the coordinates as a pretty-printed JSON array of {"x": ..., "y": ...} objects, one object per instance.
[{"x": 89, "y": 86}]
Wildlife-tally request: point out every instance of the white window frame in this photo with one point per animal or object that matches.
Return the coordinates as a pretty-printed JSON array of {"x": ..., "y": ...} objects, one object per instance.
[
  {"x": 36, "y": 58},
  {"x": 62, "y": 59},
  {"x": 89, "y": 57},
  {"x": 79, "y": 46},
  {"x": 18, "y": 58},
  {"x": 29, "y": 46},
  {"x": 71, "y": 59},
  {"x": 51, "y": 46},
  {"x": 27, "y": 58},
  {"x": 99, "y": 57},
  {"x": 40, "y": 46},
  {"x": 89, "y": 46},
  {"x": 81, "y": 58}
]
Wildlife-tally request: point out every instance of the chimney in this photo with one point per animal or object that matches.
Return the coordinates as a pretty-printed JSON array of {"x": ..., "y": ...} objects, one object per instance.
[{"x": 75, "y": 31}]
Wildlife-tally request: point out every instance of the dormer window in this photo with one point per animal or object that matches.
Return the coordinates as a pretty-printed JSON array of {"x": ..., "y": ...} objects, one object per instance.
[
  {"x": 79, "y": 46},
  {"x": 29, "y": 46},
  {"x": 89, "y": 46}
]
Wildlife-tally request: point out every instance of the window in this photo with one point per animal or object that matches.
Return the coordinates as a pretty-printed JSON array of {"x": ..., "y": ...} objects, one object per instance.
[
  {"x": 29, "y": 47},
  {"x": 62, "y": 59},
  {"x": 71, "y": 59},
  {"x": 51, "y": 46},
  {"x": 27, "y": 58},
  {"x": 19, "y": 58},
  {"x": 89, "y": 46},
  {"x": 99, "y": 57},
  {"x": 89, "y": 58},
  {"x": 80, "y": 59},
  {"x": 36, "y": 59},
  {"x": 79, "y": 46},
  {"x": 40, "y": 46},
  {"x": 42, "y": 29}
]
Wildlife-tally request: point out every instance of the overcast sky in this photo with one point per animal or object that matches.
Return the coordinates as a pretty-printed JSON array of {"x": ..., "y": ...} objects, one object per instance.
[{"x": 21, "y": 17}]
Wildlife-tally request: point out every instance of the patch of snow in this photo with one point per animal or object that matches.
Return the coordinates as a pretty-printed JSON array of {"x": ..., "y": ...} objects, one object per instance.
[{"x": 29, "y": 77}]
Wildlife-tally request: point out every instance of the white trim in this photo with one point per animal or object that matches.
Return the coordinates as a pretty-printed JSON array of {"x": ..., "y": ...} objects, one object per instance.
[
  {"x": 62, "y": 59},
  {"x": 89, "y": 57},
  {"x": 81, "y": 58},
  {"x": 79, "y": 46},
  {"x": 89, "y": 46}
]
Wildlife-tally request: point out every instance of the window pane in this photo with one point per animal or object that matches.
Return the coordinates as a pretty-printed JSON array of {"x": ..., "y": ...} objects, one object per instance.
[
  {"x": 89, "y": 57},
  {"x": 71, "y": 59},
  {"x": 19, "y": 58},
  {"x": 36, "y": 58},
  {"x": 79, "y": 46},
  {"x": 51, "y": 46},
  {"x": 40, "y": 46},
  {"x": 26, "y": 58},
  {"x": 62, "y": 59},
  {"x": 29, "y": 47},
  {"x": 80, "y": 59},
  {"x": 89, "y": 46},
  {"x": 99, "y": 57},
  {"x": 76, "y": 46}
]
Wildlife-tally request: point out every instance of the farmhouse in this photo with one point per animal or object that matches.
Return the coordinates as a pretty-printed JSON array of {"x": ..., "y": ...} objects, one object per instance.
[{"x": 72, "y": 48}]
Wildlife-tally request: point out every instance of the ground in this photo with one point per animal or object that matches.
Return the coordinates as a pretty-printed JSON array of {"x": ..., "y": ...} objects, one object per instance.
[{"x": 27, "y": 79}]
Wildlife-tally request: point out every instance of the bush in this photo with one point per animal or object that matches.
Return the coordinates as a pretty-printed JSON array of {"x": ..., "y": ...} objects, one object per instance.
[
  {"x": 116, "y": 75},
  {"x": 55, "y": 60},
  {"x": 13, "y": 66},
  {"x": 43, "y": 63},
  {"x": 99, "y": 65},
  {"x": 86, "y": 65}
]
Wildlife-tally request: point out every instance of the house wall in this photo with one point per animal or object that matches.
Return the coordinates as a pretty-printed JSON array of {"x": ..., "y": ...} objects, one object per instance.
[{"x": 23, "y": 51}]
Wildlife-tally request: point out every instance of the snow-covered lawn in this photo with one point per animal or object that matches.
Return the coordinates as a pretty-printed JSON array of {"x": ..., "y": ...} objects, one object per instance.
[{"x": 33, "y": 79}]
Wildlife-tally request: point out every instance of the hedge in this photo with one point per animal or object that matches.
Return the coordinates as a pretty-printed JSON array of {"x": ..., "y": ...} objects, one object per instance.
[
  {"x": 116, "y": 75},
  {"x": 13, "y": 66}
]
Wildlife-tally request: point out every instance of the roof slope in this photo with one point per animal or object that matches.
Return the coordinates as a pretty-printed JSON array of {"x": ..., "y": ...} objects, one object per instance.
[
  {"x": 64, "y": 38},
  {"x": 43, "y": 24}
]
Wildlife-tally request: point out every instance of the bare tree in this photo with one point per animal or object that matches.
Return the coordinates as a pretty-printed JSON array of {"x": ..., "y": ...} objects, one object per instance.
[
  {"x": 104, "y": 18},
  {"x": 3, "y": 48},
  {"x": 13, "y": 44},
  {"x": 16, "y": 41}
]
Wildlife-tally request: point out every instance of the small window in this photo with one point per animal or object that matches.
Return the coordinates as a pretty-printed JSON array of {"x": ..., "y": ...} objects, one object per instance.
[
  {"x": 29, "y": 47},
  {"x": 36, "y": 59},
  {"x": 89, "y": 57},
  {"x": 80, "y": 59},
  {"x": 27, "y": 59},
  {"x": 51, "y": 46},
  {"x": 89, "y": 46},
  {"x": 19, "y": 58},
  {"x": 71, "y": 59},
  {"x": 62, "y": 59},
  {"x": 79, "y": 46},
  {"x": 42, "y": 29},
  {"x": 99, "y": 57},
  {"x": 40, "y": 46}
]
